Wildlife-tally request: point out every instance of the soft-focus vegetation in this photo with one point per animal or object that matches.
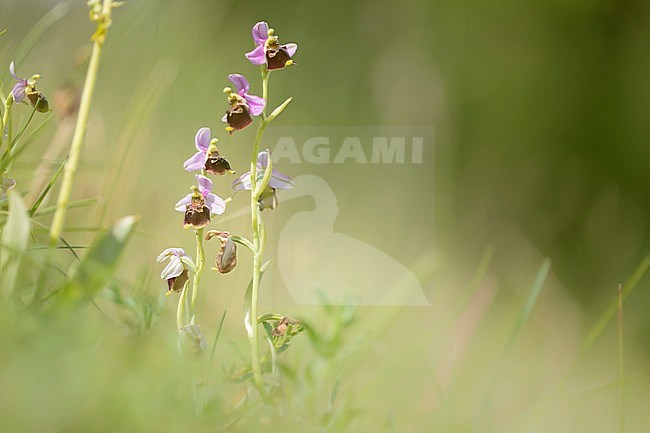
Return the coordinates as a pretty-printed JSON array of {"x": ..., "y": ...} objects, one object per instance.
[{"x": 527, "y": 212}]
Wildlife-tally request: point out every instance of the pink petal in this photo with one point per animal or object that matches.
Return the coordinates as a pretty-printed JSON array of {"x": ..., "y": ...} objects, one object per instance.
[
  {"x": 256, "y": 104},
  {"x": 263, "y": 159},
  {"x": 205, "y": 184},
  {"x": 291, "y": 49},
  {"x": 18, "y": 92},
  {"x": 196, "y": 162},
  {"x": 12, "y": 71},
  {"x": 202, "y": 139},
  {"x": 257, "y": 56},
  {"x": 182, "y": 203},
  {"x": 243, "y": 182},
  {"x": 260, "y": 32},
  {"x": 240, "y": 82},
  {"x": 216, "y": 204}
]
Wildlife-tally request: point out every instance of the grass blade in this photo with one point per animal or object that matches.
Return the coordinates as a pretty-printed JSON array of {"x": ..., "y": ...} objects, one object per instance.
[
  {"x": 47, "y": 189},
  {"x": 39, "y": 29},
  {"x": 621, "y": 364},
  {"x": 71, "y": 205},
  {"x": 609, "y": 313},
  {"x": 15, "y": 237},
  {"x": 527, "y": 308}
]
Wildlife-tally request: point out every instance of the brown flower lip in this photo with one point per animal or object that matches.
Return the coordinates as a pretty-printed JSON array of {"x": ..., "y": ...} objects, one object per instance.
[
  {"x": 238, "y": 116},
  {"x": 218, "y": 165},
  {"x": 39, "y": 102},
  {"x": 277, "y": 58},
  {"x": 176, "y": 284},
  {"x": 197, "y": 214}
]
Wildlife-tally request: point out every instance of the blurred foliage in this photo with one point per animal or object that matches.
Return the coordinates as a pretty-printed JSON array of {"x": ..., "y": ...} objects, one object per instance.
[{"x": 540, "y": 110}]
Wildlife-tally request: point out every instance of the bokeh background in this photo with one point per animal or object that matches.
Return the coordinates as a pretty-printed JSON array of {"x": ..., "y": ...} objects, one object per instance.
[{"x": 542, "y": 149}]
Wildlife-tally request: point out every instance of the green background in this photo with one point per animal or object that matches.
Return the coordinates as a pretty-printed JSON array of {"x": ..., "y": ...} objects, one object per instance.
[{"x": 542, "y": 149}]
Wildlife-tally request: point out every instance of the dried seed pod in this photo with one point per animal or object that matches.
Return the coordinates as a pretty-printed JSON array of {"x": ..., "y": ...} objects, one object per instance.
[
  {"x": 283, "y": 325},
  {"x": 227, "y": 256}
]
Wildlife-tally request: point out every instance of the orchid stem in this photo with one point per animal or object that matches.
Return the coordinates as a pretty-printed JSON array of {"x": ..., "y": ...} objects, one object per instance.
[
  {"x": 200, "y": 254},
  {"x": 6, "y": 122},
  {"x": 82, "y": 123},
  {"x": 12, "y": 141},
  {"x": 621, "y": 364},
  {"x": 258, "y": 243}
]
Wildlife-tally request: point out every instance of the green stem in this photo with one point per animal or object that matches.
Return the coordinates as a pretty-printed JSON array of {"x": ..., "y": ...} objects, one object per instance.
[
  {"x": 621, "y": 364},
  {"x": 265, "y": 89},
  {"x": 6, "y": 122},
  {"x": 200, "y": 256},
  {"x": 12, "y": 142},
  {"x": 82, "y": 124},
  {"x": 258, "y": 244}
]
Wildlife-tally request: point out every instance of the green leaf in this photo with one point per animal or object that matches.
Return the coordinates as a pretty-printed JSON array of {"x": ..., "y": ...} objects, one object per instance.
[
  {"x": 277, "y": 111},
  {"x": 15, "y": 237},
  {"x": 98, "y": 267},
  {"x": 275, "y": 372}
]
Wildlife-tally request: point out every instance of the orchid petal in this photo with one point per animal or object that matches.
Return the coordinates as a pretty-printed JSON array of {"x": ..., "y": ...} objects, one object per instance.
[
  {"x": 18, "y": 92},
  {"x": 12, "y": 71},
  {"x": 216, "y": 204},
  {"x": 260, "y": 32},
  {"x": 280, "y": 180},
  {"x": 170, "y": 252},
  {"x": 205, "y": 184},
  {"x": 263, "y": 159},
  {"x": 255, "y": 103},
  {"x": 202, "y": 139},
  {"x": 291, "y": 49},
  {"x": 173, "y": 269},
  {"x": 243, "y": 182},
  {"x": 240, "y": 82},
  {"x": 257, "y": 56},
  {"x": 181, "y": 206},
  {"x": 196, "y": 162}
]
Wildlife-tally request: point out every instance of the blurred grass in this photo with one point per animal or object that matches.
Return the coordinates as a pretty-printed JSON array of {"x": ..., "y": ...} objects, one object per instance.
[{"x": 541, "y": 151}]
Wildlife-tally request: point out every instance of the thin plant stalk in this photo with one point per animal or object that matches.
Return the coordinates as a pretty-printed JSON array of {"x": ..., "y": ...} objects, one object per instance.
[
  {"x": 621, "y": 365},
  {"x": 6, "y": 121},
  {"x": 258, "y": 243},
  {"x": 11, "y": 142},
  {"x": 200, "y": 255},
  {"x": 82, "y": 123}
]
